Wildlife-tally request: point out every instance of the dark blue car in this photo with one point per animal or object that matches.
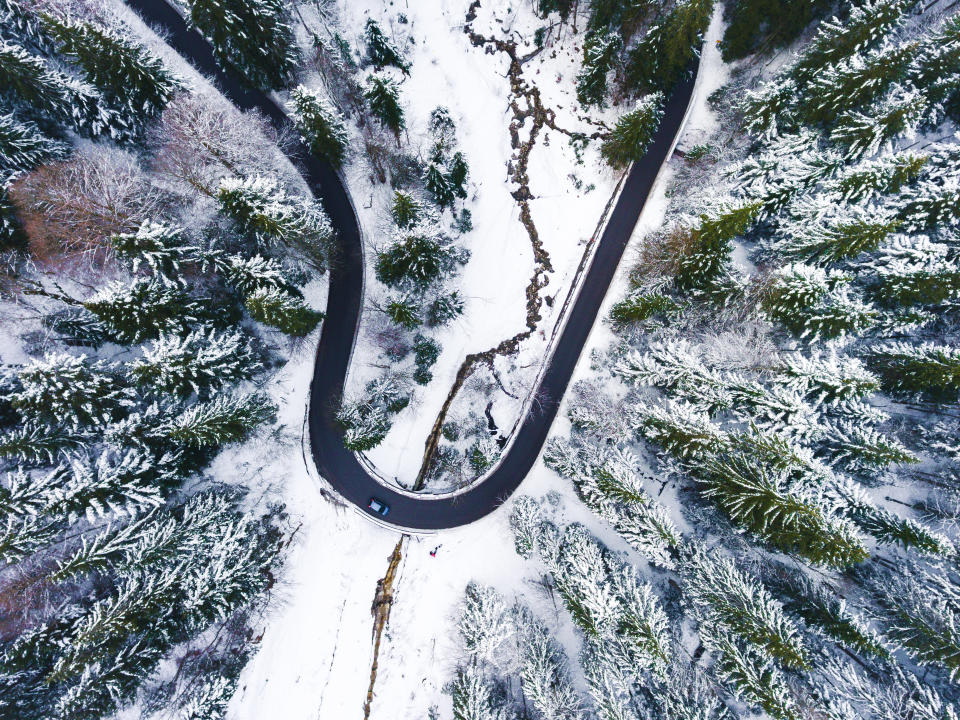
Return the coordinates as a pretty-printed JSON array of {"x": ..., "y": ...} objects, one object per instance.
[{"x": 378, "y": 507}]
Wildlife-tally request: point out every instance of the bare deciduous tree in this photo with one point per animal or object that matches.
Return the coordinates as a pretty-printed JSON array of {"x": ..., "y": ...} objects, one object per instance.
[
  {"x": 77, "y": 205},
  {"x": 199, "y": 141}
]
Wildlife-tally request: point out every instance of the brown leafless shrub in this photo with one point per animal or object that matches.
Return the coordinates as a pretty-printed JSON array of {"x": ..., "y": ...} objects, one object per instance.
[
  {"x": 392, "y": 340},
  {"x": 746, "y": 346},
  {"x": 198, "y": 141},
  {"x": 27, "y": 595},
  {"x": 598, "y": 413},
  {"x": 75, "y": 206},
  {"x": 659, "y": 254}
]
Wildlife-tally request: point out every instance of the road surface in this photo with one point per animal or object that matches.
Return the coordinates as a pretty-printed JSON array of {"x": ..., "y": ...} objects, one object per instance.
[{"x": 335, "y": 463}]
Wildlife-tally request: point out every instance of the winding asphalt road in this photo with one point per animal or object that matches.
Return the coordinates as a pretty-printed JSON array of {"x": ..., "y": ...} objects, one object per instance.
[{"x": 336, "y": 464}]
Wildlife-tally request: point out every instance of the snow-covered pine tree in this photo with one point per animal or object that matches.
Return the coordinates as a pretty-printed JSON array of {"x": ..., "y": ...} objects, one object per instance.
[
  {"x": 825, "y": 230},
  {"x": 482, "y": 454},
  {"x": 600, "y": 52},
  {"x": 884, "y": 175},
  {"x": 769, "y": 110},
  {"x": 485, "y": 625},
  {"x": 234, "y": 570},
  {"x": 166, "y": 533},
  {"x": 727, "y": 599},
  {"x": 843, "y": 494},
  {"x": 404, "y": 312},
  {"x": 773, "y": 407},
  {"x": 23, "y": 146},
  {"x": 473, "y": 697},
  {"x": 24, "y": 496},
  {"x": 784, "y": 169},
  {"x": 264, "y": 210},
  {"x": 224, "y": 419},
  {"x": 91, "y": 658},
  {"x": 108, "y": 548},
  {"x": 615, "y": 493},
  {"x": 932, "y": 204},
  {"x": 443, "y": 130},
  {"x": 457, "y": 173},
  {"x": 320, "y": 124},
  {"x": 525, "y": 520},
  {"x": 247, "y": 274},
  {"x": 897, "y": 115},
  {"x": 130, "y": 78},
  {"x": 682, "y": 429},
  {"x": 923, "y": 615},
  {"x": 897, "y": 695},
  {"x": 142, "y": 309},
  {"x": 643, "y": 625},
  {"x": 365, "y": 425},
  {"x": 854, "y": 82},
  {"x": 936, "y": 70},
  {"x": 762, "y": 500},
  {"x": 912, "y": 271},
  {"x": 640, "y": 306},
  {"x": 37, "y": 444},
  {"x": 829, "y": 376},
  {"x": 31, "y": 85},
  {"x": 837, "y": 38},
  {"x": 129, "y": 483},
  {"x": 437, "y": 183},
  {"x": 159, "y": 246},
  {"x": 252, "y": 37},
  {"x": 751, "y": 673},
  {"x": 209, "y": 701},
  {"x": 609, "y": 686},
  {"x": 426, "y": 351},
  {"x": 202, "y": 361},
  {"x": 796, "y": 288},
  {"x": 888, "y": 528},
  {"x": 21, "y": 537},
  {"x": 856, "y": 447},
  {"x": 416, "y": 259},
  {"x": 405, "y": 210},
  {"x": 544, "y": 676},
  {"x": 664, "y": 54},
  {"x": 925, "y": 368},
  {"x": 114, "y": 676},
  {"x": 381, "y": 51},
  {"x": 76, "y": 327},
  {"x": 813, "y": 303},
  {"x": 444, "y": 308},
  {"x": 676, "y": 367},
  {"x": 583, "y": 581},
  {"x": 827, "y": 614},
  {"x": 689, "y": 694},
  {"x": 68, "y": 390},
  {"x": 633, "y": 132},
  {"x": 384, "y": 99},
  {"x": 706, "y": 254},
  {"x": 280, "y": 308}
]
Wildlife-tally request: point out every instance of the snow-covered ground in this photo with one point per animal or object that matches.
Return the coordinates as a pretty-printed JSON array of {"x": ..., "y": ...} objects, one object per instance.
[
  {"x": 569, "y": 199},
  {"x": 315, "y": 654}
]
